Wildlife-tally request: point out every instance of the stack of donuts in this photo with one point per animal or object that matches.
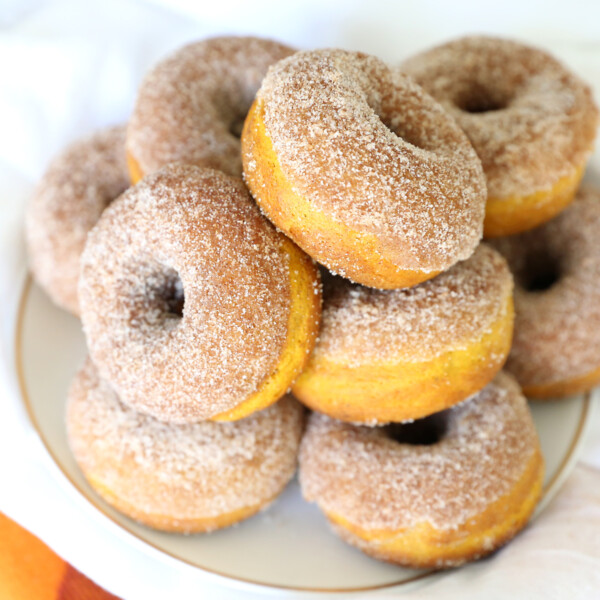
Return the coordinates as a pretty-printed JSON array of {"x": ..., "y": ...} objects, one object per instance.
[{"x": 276, "y": 228}]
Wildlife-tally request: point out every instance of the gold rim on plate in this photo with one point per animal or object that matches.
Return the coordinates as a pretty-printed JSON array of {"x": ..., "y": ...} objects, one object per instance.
[{"x": 18, "y": 347}]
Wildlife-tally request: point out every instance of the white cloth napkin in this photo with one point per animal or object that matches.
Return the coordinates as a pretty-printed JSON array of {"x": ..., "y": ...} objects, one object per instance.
[{"x": 68, "y": 67}]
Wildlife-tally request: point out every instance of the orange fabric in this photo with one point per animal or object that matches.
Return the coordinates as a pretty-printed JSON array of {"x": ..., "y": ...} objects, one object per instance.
[{"x": 29, "y": 570}]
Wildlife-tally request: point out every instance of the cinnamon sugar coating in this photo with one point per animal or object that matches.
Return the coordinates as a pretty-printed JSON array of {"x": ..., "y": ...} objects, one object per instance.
[
  {"x": 556, "y": 329},
  {"x": 184, "y": 473},
  {"x": 191, "y": 106},
  {"x": 376, "y": 483},
  {"x": 185, "y": 294},
  {"x": 531, "y": 121},
  {"x": 371, "y": 150},
  {"x": 67, "y": 202},
  {"x": 364, "y": 326}
]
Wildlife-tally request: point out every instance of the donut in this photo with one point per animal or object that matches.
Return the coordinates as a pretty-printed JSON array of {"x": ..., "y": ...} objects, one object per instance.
[
  {"x": 77, "y": 186},
  {"x": 180, "y": 477},
  {"x": 194, "y": 307},
  {"x": 531, "y": 121},
  {"x": 190, "y": 108},
  {"x": 556, "y": 348},
  {"x": 435, "y": 493},
  {"x": 362, "y": 169},
  {"x": 395, "y": 355}
]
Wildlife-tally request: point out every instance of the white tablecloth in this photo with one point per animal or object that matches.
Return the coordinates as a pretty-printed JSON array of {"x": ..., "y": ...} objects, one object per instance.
[{"x": 67, "y": 68}]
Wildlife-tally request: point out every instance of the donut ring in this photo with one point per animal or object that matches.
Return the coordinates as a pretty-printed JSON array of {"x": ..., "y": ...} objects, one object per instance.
[
  {"x": 556, "y": 348},
  {"x": 531, "y": 121},
  {"x": 191, "y": 106},
  {"x": 68, "y": 201},
  {"x": 467, "y": 487},
  {"x": 183, "y": 478},
  {"x": 398, "y": 355},
  {"x": 193, "y": 306},
  {"x": 362, "y": 169}
]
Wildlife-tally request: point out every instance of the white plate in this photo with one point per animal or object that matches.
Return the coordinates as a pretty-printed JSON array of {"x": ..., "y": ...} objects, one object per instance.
[{"x": 287, "y": 546}]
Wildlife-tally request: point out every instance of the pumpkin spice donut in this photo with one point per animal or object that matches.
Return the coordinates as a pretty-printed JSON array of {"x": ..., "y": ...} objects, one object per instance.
[
  {"x": 531, "y": 121},
  {"x": 398, "y": 355},
  {"x": 194, "y": 307},
  {"x": 556, "y": 348},
  {"x": 435, "y": 493},
  {"x": 191, "y": 106},
  {"x": 185, "y": 478},
  {"x": 68, "y": 201},
  {"x": 362, "y": 169}
]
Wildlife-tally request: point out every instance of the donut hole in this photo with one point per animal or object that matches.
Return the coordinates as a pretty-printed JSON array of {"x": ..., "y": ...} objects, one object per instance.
[
  {"x": 543, "y": 279},
  {"x": 160, "y": 300},
  {"x": 482, "y": 104},
  {"x": 236, "y": 126},
  {"x": 422, "y": 432},
  {"x": 407, "y": 132},
  {"x": 540, "y": 271},
  {"x": 478, "y": 99},
  {"x": 399, "y": 115},
  {"x": 173, "y": 296}
]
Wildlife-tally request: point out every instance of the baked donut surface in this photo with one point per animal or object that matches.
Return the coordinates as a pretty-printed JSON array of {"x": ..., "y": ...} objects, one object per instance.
[
  {"x": 455, "y": 495},
  {"x": 396, "y": 355},
  {"x": 362, "y": 169},
  {"x": 67, "y": 202},
  {"x": 556, "y": 348},
  {"x": 184, "y": 478},
  {"x": 190, "y": 107},
  {"x": 531, "y": 121},
  {"x": 193, "y": 306}
]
